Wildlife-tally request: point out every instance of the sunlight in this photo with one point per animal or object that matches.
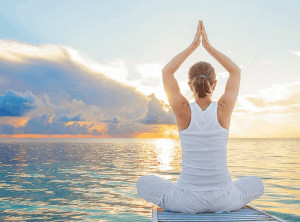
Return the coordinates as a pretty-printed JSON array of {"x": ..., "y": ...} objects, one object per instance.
[
  {"x": 150, "y": 70},
  {"x": 100, "y": 127},
  {"x": 164, "y": 131},
  {"x": 15, "y": 121},
  {"x": 14, "y": 51},
  {"x": 164, "y": 149}
]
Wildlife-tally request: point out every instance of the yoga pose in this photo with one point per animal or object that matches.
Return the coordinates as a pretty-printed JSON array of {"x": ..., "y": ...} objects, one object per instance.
[{"x": 205, "y": 184}]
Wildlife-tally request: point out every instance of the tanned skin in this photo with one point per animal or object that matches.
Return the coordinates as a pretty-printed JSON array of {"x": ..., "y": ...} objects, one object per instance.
[{"x": 180, "y": 105}]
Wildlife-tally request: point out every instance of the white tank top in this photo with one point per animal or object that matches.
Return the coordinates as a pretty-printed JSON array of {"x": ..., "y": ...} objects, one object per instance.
[{"x": 204, "y": 152}]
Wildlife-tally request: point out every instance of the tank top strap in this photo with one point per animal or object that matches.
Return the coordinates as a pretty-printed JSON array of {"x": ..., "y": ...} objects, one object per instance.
[
  {"x": 215, "y": 109},
  {"x": 216, "y": 118},
  {"x": 193, "y": 106},
  {"x": 193, "y": 118},
  {"x": 193, "y": 115}
]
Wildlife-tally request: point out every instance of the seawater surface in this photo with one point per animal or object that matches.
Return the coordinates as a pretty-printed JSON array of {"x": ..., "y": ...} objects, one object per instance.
[{"x": 95, "y": 179}]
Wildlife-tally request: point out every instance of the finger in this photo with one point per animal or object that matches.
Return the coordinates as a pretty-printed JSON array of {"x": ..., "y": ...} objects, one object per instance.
[
  {"x": 202, "y": 31},
  {"x": 199, "y": 26},
  {"x": 204, "y": 35},
  {"x": 202, "y": 28}
]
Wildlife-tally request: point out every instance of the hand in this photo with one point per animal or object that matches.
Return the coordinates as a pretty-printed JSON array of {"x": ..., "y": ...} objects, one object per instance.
[
  {"x": 205, "y": 41},
  {"x": 196, "y": 41}
]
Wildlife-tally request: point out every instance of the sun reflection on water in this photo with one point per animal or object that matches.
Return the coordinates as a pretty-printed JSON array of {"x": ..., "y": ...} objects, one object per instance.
[{"x": 164, "y": 149}]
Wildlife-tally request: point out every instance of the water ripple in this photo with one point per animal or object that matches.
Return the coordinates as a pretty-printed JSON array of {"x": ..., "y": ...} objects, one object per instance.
[{"x": 94, "y": 179}]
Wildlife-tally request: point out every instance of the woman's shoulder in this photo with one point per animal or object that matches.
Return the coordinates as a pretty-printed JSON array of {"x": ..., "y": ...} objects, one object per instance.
[{"x": 223, "y": 116}]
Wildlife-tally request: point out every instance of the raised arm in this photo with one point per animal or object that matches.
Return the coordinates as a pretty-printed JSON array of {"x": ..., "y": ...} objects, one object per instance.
[
  {"x": 228, "y": 99},
  {"x": 176, "y": 99}
]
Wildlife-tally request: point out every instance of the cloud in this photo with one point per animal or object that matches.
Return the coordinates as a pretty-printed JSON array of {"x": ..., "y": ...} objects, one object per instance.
[
  {"x": 276, "y": 96},
  {"x": 156, "y": 114},
  {"x": 15, "y": 104},
  {"x": 150, "y": 81},
  {"x": 297, "y": 53},
  {"x": 50, "y": 89},
  {"x": 149, "y": 70},
  {"x": 53, "y": 85},
  {"x": 7, "y": 129},
  {"x": 127, "y": 129},
  {"x": 62, "y": 74},
  {"x": 43, "y": 125},
  {"x": 271, "y": 112}
]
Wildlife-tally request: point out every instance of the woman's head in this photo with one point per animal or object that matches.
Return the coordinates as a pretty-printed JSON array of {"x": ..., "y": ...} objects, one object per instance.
[{"x": 202, "y": 85}]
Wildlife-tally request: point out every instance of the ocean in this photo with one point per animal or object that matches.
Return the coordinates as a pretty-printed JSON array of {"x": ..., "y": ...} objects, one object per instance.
[{"x": 95, "y": 179}]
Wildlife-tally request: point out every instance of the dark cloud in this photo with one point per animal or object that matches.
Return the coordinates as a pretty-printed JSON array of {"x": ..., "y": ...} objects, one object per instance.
[
  {"x": 126, "y": 128},
  {"x": 66, "y": 118},
  {"x": 47, "y": 125},
  {"x": 15, "y": 104},
  {"x": 7, "y": 129},
  {"x": 156, "y": 114}
]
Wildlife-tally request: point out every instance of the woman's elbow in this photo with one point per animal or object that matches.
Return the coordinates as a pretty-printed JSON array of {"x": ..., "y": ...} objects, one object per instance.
[
  {"x": 167, "y": 71},
  {"x": 236, "y": 71},
  {"x": 164, "y": 70}
]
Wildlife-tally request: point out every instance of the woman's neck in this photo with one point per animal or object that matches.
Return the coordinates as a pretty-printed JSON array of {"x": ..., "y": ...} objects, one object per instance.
[{"x": 203, "y": 102}]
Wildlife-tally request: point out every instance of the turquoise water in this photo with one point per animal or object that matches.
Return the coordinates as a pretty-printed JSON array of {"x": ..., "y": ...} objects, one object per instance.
[{"x": 94, "y": 179}]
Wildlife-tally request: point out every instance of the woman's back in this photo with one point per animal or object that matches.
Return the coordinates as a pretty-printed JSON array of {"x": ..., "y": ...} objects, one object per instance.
[
  {"x": 204, "y": 136},
  {"x": 204, "y": 151}
]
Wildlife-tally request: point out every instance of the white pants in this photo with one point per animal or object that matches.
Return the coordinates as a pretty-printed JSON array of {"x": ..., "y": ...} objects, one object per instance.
[{"x": 167, "y": 195}]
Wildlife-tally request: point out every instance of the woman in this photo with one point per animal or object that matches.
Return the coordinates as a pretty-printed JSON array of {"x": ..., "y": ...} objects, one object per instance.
[{"x": 204, "y": 184}]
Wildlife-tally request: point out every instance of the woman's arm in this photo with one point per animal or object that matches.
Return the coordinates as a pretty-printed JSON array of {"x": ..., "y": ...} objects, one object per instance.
[
  {"x": 226, "y": 62},
  {"x": 229, "y": 97},
  {"x": 175, "y": 98},
  {"x": 176, "y": 62}
]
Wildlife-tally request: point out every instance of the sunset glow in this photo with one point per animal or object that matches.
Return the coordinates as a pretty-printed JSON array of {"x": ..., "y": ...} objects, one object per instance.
[{"x": 165, "y": 131}]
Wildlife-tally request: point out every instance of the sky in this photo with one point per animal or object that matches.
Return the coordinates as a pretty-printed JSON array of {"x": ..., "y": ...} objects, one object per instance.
[{"x": 93, "y": 68}]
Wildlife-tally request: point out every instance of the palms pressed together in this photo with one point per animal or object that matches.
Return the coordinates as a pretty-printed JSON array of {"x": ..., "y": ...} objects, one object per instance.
[{"x": 200, "y": 32}]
